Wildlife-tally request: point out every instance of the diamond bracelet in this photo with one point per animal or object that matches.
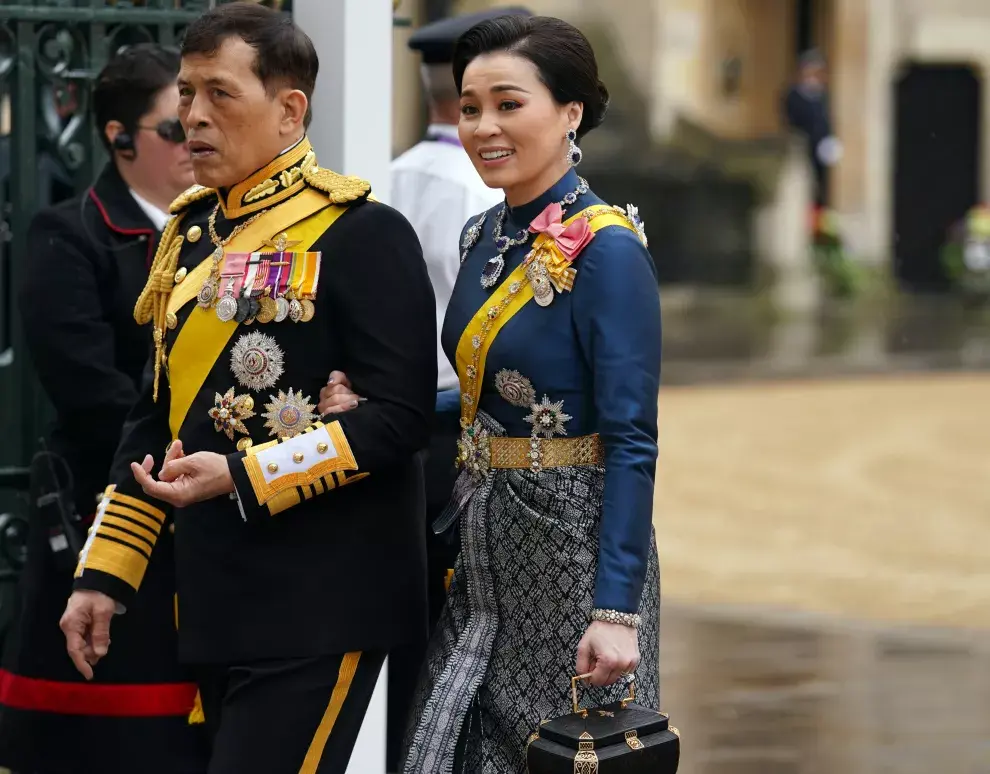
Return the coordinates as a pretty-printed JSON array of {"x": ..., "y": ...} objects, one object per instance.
[{"x": 632, "y": 620}]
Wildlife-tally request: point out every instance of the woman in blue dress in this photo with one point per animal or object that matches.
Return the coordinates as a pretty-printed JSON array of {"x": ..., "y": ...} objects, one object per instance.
[{"x": 554, "y": 328}]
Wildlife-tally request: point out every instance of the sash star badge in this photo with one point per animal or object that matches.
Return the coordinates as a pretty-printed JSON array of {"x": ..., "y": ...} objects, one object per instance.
[
  {"x": 257, "y": 361},
  {"x": 289, "y": 414}
]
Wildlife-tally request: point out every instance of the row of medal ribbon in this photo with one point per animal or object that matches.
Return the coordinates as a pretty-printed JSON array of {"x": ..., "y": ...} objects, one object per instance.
[{"x": 267, "y": 287}]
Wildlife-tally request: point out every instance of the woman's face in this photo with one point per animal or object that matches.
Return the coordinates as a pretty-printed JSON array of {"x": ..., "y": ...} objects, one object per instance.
[{"x": 512, "y": 128}]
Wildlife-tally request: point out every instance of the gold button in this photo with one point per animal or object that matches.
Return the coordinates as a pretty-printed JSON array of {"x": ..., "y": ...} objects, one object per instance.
[
  {"x": 244, "y": 443},
  {"x": 171, "y": 529},
  {"x": 297, "y": 457},
  {"x": 171, "y": 320},
  {"x": 194, "y": 234},
  {"x": 322, "y": 448},
  {"x": 247, "y": 403},
  {"x": 180, "y": 275},
  {"x": 272, "y": 467}
]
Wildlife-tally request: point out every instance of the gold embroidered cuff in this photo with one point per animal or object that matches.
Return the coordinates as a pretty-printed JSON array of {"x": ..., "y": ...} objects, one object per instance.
[
  {"x": 301, "y": 461},
  {"x": 122, "y": 538}
]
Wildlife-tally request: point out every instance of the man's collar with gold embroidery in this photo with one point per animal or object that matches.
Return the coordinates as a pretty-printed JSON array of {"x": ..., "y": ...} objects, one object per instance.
[{"x": 274, "y": 183}]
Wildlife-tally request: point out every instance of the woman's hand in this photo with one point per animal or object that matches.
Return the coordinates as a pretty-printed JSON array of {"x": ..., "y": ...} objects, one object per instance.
[
  {"x": 338, "y": 397},
  {"x": 608, "y": 651}
]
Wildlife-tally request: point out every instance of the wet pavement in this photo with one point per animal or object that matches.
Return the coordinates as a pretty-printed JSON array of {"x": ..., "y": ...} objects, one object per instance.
[
  {"x": 726, "y": 337},
  {"x": 863, "y": 500},
  {"x": 755, "y": 693}
]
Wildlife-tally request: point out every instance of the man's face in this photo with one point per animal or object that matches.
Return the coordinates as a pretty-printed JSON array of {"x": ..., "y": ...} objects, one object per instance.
[
  {"x": 160, "y": 159},
  {"x": 234, "y": 126}
]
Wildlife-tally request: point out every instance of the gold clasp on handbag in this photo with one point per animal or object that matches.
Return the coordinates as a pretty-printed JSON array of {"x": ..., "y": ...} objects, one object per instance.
[{"x": 583, "y": 712}]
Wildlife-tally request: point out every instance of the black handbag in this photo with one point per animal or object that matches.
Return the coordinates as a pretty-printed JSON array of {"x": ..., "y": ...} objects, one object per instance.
[{"x": 619, "y": 738}]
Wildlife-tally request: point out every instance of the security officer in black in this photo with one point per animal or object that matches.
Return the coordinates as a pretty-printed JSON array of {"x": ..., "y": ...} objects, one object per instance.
[
  {"x": 89, "y": 260},
  {"x": 299, "y": 542}
]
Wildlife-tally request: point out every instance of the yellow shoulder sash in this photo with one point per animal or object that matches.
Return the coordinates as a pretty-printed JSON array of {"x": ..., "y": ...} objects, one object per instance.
[
  {"x": 511, "y": 296},
  {"x": 204, "y": 336}
]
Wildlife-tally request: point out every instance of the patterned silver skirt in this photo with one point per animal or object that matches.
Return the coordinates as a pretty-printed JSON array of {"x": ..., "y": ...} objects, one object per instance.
[{"x": 505, "y": 648}]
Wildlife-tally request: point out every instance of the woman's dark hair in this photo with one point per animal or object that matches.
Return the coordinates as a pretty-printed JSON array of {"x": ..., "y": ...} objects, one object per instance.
[
  {"x": 560, "y": 51},
  {"x": 283, "y": 53},
  {"x": 126, "y": 88}
]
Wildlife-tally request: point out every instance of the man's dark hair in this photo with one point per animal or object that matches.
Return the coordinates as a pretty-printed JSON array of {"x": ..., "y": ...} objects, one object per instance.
[
  {"x": 560, "y": 51},
  {"x": 283, "y": 53},
  {"x": 125, "y": 90}
]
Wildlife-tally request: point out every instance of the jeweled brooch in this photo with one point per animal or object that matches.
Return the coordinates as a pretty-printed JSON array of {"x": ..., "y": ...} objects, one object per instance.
[
  {"x": 515, "y": 388},
  {"x": 230, "y": 411}
]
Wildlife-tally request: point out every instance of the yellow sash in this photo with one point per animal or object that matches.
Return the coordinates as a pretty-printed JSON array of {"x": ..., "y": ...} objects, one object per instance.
[
  {"x": 511, "y": 296},
  {"x": 204, "y": 336}
]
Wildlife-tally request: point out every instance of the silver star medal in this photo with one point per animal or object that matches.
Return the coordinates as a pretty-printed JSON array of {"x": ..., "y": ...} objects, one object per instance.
[
  {"x": 548, "y": 419},
  {"x": 257, "y": 361}
]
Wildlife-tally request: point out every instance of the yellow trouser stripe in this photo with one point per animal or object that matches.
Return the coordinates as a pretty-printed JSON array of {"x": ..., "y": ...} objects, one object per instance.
[{"x": 348, "y": 668}]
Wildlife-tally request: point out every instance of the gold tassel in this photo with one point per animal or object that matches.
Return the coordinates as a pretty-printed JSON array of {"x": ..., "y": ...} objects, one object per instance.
[
  {"x": 144, "y": 308},
  {"x": 197, "y": 716},
  {"x": 158, "y": 290}
]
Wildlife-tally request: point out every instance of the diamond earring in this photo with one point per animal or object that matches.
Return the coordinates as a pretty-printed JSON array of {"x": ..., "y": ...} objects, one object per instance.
[{"x": 574, "y": 154}]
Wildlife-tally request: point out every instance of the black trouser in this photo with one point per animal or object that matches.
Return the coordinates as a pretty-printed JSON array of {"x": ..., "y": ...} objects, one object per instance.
[
  {"x": 287, "y": 716},
  {"x": 405, "y": 664}
]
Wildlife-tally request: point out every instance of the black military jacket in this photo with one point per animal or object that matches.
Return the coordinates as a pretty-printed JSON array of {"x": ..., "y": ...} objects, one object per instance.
[
  {"x": 89, "y": 261},
  {"x": 321, "y": 549}
]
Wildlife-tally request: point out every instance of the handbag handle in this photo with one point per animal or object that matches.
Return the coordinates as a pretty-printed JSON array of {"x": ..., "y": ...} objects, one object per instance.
[{"x": 583, "y": 712}]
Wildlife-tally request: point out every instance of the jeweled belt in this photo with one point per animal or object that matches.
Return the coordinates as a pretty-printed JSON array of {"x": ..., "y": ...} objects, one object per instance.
[{"x": 480, "y": 452}]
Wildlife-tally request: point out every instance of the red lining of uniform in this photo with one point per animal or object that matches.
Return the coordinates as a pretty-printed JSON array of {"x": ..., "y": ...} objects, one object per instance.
[
  {"x": 152, "y": 700},
  {"x": 149, "y": 232}
]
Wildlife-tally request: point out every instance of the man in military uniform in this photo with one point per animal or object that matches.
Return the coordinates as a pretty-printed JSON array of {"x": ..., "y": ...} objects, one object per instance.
[
  {"x": 299, "y": 543},
  {"x": 90, "y": 258}
]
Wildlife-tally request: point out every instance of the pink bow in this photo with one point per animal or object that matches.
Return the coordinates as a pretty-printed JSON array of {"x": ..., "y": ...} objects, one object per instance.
[{"x": 570, "y": 240}]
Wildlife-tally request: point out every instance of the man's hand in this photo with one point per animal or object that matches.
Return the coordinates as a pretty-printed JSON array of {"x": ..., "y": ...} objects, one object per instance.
[
  {"x": 608, "y": 651},
  {"x": 86, "y": 625},
  {"x": 185, "y": 480},
  {"x": 338, "y": 396}
]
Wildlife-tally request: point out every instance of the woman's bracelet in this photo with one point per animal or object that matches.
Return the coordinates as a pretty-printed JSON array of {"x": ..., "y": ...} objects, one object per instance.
[{"x": 615, "y": 617}]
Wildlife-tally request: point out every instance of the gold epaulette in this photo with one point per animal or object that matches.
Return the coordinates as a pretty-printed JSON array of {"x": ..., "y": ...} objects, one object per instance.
[
  {"x": 342, "y": 189},
  {"x": 190, "y": 195}
]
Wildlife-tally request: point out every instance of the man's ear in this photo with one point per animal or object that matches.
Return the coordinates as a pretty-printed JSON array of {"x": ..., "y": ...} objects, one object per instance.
[{"x": 294, "y": 108}]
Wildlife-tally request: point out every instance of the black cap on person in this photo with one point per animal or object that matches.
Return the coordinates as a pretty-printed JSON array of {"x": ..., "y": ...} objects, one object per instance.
[{"x": 435, "y": 41}]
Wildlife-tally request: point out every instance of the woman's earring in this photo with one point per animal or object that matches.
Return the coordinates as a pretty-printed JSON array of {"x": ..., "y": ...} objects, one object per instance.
[{"x": 574, "y": 154}]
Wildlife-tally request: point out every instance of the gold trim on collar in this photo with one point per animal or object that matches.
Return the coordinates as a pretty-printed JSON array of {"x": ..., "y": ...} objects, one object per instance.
[{"x": 275, "y": 183}]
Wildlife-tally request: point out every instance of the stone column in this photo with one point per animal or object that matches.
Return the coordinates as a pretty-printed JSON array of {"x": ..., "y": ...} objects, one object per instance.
[
  {"x": 850, "y": 101},
  {"x": 352, "y": 105},
  {"x": 884, "y": 50},
  {"x": 352, "y": 134},
  {"x": 781, "y": 234}
]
